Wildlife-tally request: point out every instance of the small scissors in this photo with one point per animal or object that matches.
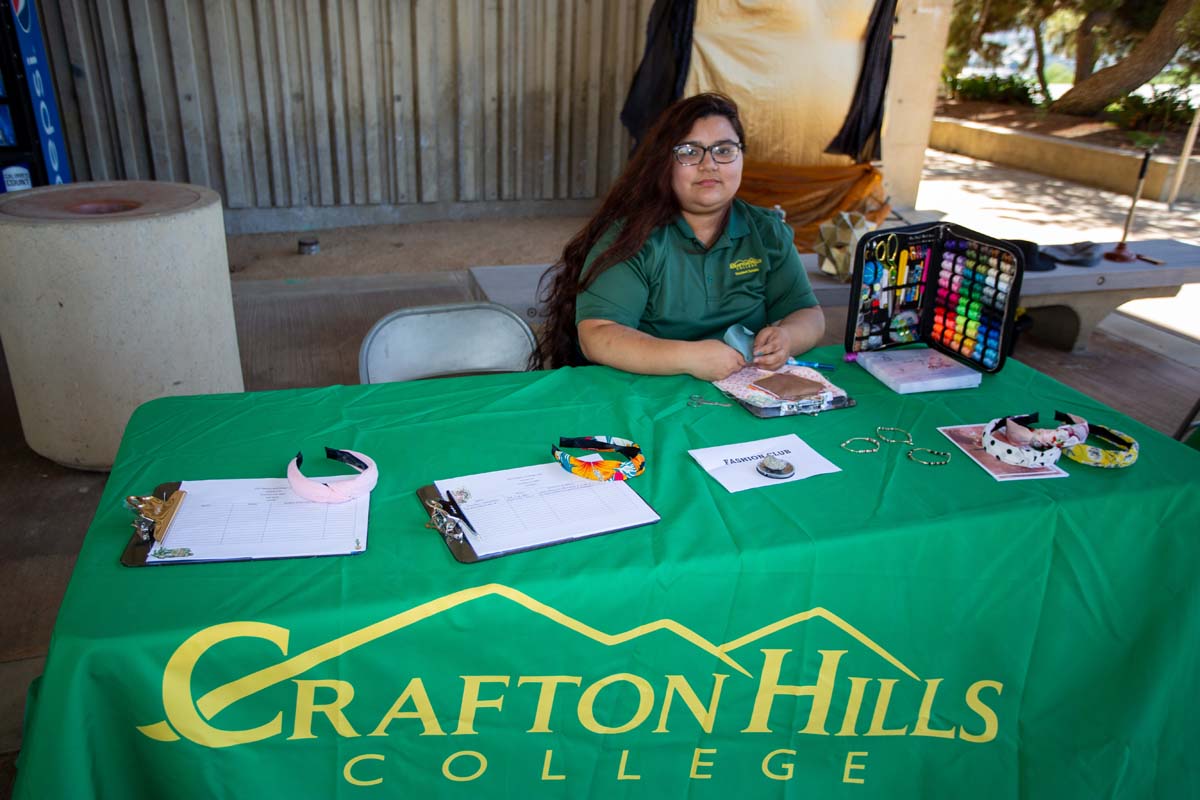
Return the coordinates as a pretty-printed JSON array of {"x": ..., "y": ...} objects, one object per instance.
[
  {"x": 887, "y": 248},
  {"x": 696, "y": 400}
]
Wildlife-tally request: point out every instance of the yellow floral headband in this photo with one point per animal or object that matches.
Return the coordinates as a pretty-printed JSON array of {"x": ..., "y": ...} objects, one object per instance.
[{"x": 1124, "y": 456}]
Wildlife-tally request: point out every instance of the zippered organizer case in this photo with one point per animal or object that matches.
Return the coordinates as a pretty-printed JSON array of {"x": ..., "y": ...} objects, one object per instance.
[{"x": 940, "y": 284}]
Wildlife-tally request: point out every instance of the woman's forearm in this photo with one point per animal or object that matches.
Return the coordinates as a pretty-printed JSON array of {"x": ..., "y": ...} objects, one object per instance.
[
  {"x": 615, "y": 345},
  {"x": 805, "y": 327}
]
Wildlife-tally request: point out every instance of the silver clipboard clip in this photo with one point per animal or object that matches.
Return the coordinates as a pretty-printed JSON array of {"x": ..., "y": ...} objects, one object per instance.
[
  {"x": 447, "y": 519},
  {"x": 808, "y": 405}
]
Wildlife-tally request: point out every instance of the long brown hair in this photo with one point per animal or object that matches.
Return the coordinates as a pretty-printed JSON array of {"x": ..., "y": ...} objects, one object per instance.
[{"x": 641, "y": 200}]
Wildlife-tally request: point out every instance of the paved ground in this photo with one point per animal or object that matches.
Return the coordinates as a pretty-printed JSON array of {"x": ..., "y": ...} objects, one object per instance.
[
  {"x": 402, "y": 249},
  {"x": 1015, "y": 204}
]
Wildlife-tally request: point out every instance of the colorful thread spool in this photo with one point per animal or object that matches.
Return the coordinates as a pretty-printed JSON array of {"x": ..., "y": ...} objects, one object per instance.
[{"x": 871, "y": 272}]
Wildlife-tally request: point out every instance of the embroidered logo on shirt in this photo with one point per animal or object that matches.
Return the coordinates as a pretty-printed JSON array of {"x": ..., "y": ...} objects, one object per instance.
[{"x": 745, "y": 266}]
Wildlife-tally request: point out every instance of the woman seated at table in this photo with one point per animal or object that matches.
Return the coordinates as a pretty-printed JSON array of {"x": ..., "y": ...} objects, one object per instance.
[{"x": 672, "y": 260}]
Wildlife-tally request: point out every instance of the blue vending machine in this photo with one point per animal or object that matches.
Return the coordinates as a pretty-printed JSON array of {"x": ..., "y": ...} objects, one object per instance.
[{"x": 32, "y": 149}]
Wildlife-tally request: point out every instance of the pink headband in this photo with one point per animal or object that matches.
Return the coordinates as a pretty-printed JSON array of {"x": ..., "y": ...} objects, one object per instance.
[
  {"x": 1073, "y": 432},
  {"x": 336, "y": 491}
]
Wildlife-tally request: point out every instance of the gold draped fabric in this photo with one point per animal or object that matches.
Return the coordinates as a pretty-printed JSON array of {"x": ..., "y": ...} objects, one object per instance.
[
  {"x": 812, "y": 195},
  {"x": 791, "y": 66}
]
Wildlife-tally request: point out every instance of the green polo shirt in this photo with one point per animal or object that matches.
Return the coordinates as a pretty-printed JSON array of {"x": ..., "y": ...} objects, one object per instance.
[{"x": 675, "y": 288}]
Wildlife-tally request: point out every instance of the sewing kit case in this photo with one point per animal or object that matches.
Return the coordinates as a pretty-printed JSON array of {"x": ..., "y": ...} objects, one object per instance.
[{"x": 941, "y": 284}]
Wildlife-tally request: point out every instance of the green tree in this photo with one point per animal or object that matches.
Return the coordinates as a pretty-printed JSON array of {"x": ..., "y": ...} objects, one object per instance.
[
  {"x": 1034, "y": 16},
  {"x": 1143, "y": 36},
  {"x": 971, "y": 21},
  {"x": 1144, "y": 60}
]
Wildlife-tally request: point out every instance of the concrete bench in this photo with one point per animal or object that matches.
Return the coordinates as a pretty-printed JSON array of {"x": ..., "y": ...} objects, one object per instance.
[{"x": 1066, "y": 304}]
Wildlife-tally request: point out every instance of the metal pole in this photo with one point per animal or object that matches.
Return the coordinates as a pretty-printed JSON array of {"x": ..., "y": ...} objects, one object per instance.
[
  {"x": 1181, "y": 167},
  {"x": 1121, "y": 252},
  {"x": 1137, "y": 193}
]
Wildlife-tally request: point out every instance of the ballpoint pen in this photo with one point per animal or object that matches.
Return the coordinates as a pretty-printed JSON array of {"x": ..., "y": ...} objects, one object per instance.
[{"x": 814, "y": 364}]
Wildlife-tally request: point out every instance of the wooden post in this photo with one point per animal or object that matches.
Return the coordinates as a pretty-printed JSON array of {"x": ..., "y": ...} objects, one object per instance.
[{"x": 1180, "y": 168}]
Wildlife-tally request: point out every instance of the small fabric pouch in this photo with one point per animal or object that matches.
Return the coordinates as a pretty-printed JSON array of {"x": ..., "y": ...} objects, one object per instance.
[
  {"x": 740, "y": 338},
  {"x": 1036, "y": 259},
  {"x": 1079, "y": 254}
]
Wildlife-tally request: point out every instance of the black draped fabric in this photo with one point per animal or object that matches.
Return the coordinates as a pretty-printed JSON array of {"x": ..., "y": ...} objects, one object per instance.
[
  {"x": 859, "y": 136},
  {"x": 660, "y": 77}
]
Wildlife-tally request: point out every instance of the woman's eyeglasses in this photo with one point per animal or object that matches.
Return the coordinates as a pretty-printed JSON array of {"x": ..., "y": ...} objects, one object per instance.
[{"x": 689, "y": 155}]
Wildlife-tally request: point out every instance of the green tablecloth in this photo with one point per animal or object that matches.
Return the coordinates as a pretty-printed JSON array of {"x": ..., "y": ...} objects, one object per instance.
[{"x": 889, "y": 630}]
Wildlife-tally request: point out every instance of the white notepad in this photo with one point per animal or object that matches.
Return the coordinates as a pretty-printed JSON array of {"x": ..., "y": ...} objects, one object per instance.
[
  {"x": 913, "y": 370},
  {"x": 230, "y": 520},
  {"x": 527, "y": 507}
]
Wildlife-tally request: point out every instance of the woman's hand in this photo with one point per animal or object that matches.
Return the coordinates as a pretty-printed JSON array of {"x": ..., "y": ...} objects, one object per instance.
[
  {"x": 713, "y": 360},
  {"x": 773, "y": 345}
]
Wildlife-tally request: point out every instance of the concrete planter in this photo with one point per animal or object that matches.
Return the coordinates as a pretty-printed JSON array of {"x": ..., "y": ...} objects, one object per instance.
[
  {"x": 1089, "y": 164},
  {"x": 111, "y": 294}
]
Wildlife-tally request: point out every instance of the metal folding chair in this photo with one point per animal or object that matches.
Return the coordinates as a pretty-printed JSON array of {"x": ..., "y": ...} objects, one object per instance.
[{"x": 446, "y": 340}]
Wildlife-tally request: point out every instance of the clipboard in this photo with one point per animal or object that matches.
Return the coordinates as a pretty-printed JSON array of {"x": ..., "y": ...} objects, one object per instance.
[
  {"x": 170, "y": 527},
  {"x": 447, "y": 518}
]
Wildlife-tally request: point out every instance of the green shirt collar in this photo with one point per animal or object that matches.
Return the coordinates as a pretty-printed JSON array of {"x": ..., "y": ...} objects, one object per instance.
[{"x": 735, "y": 228}]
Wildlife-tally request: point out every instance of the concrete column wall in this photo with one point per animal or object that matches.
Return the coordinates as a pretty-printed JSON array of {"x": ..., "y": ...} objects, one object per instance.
[{"x": 919, "y": 46}]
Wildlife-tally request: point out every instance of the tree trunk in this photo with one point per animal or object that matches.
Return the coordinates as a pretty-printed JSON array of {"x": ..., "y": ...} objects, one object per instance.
[
  {"x": 1039, "y": 48},
  {"x": 1085, "y": 45},
  {"x": 1144, "y": 62},
  {"x": 981, "y": 27}
]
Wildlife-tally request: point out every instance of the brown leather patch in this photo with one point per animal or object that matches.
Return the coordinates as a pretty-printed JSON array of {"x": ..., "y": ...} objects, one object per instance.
[{"x": 788, "y": 387}]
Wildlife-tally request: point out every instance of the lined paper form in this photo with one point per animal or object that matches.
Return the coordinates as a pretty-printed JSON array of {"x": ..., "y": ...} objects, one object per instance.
[
  {"x": 229, "y": 520},
  {"x": 526, "y": 507}
]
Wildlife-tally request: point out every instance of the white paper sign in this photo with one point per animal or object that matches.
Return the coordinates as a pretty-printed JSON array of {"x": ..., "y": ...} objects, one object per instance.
[{"x": 735, "y": 466}]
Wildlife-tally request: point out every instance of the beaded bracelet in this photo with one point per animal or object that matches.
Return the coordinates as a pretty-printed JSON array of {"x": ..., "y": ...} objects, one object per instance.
[
  {"x": 883, "y": 430},
  {"x": 886, "y": 434},
  {"x": 867, "y": 439},
  {"x": 943, "y": 453}
]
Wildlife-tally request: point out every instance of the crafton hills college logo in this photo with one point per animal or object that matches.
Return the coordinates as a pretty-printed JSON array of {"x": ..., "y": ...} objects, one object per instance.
[{"x": 856, "y": 690}]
